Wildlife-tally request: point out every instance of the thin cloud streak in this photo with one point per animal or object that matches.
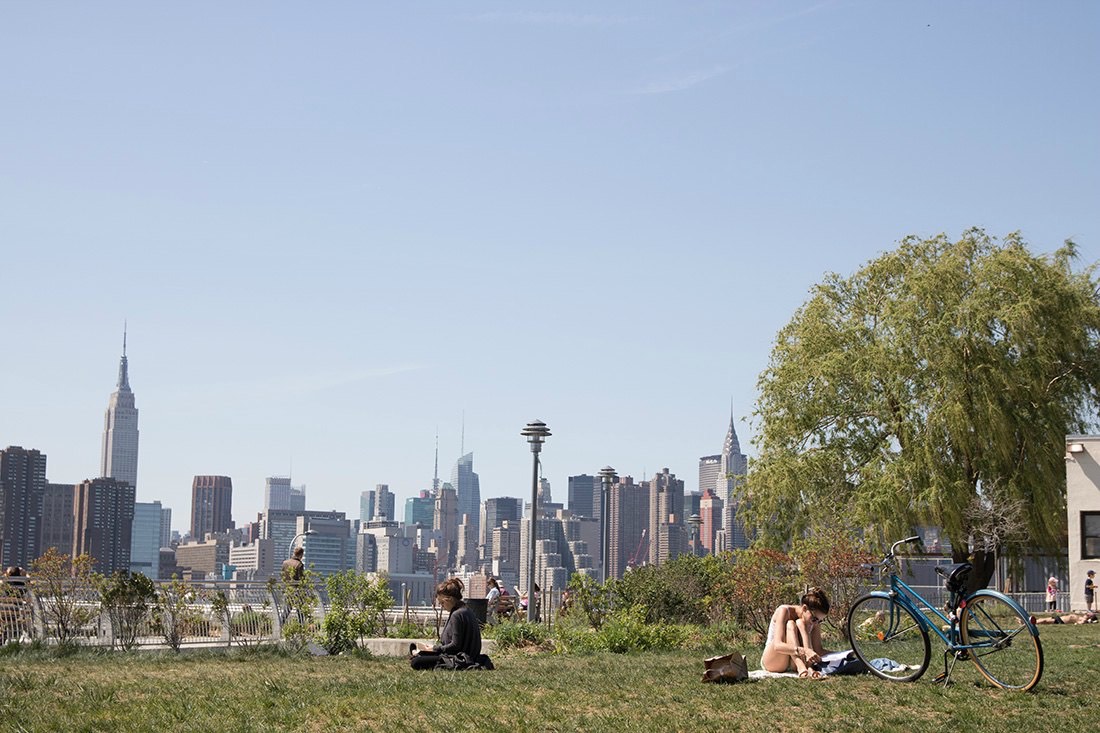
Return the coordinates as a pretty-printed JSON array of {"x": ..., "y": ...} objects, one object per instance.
[
  {"x": 567, "y": 19},
  {"x": 683, "y": 81}
]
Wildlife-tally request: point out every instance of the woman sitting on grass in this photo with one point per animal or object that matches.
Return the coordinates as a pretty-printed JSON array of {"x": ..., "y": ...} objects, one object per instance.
[
  {"x": 794, "y": 636},
  {"x": 459, "y": 644}
]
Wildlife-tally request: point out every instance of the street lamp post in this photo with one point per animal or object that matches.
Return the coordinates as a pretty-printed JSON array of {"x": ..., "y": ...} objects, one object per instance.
[
  {"x": 536, "y": 433},
  {"x": 607, "y": 476},
  {"x": 290, "y": 550}
]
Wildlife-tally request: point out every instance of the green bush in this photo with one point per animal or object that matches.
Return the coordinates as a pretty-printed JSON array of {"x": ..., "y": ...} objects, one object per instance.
[{"x": 518, "y": 634}]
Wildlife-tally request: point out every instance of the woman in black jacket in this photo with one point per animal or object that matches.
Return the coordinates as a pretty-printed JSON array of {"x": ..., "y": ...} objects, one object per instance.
[{"x": 459, "y": 644}]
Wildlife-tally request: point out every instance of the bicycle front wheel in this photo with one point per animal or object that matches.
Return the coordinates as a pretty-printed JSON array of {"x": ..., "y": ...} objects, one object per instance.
[
  {"x": 1002, "y": 642},
  {"x": 888, "y": 638}
]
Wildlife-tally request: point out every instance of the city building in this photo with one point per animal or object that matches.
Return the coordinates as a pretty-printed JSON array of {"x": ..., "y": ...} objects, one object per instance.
[
  {"x": 57, "y": 519},
  {"x": 710, "y": 512},
  {"x": 666, "y": 517},
  {"x": 584, "y": 495},
  {"x": 710, "y": 471},
  {"x": 445, "y": 523},
  {"x": 211, "y": 505},
  {"x": 381, "y": 504},
  {"x": 732, "y": 477},
  {"x": 279, "y": 494},
  {"x": 204, "y": 559},
  {"x": 420, "y": 509},
  {"x": 467, "y": 488},
  {"x": 22, "y": 493},
  {"x": 330, "y": 546},
  {"x": 103, "y": 518},
  {"x": 165, "y": 527},
  {"x": 494, "y": 513},
  {"x": 145, "y": 539},
  {"x": 1082, "y": 511},
  {"x": 119, "y": 459},
  {"x": 628, "y": 525},
  {"x": 466, "y": 552},
  {"x": 254, "y": 561},
  {"x": 506, "y": 555},
  {"x": 281, "y": 526}
]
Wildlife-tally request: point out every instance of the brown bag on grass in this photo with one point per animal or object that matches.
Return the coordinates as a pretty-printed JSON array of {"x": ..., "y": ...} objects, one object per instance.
[{"x": 730, "y": 667}]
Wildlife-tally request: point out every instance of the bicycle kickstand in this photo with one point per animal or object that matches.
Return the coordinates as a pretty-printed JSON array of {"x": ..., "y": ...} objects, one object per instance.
[{"x": 945, "y": 676}]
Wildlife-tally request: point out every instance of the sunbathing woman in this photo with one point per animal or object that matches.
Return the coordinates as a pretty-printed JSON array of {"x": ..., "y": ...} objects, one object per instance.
[{"x": 794, "y": 636}]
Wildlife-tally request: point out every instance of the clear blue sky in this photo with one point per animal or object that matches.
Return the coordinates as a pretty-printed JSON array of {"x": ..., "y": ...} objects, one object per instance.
[{"x": 334, "y": 227}]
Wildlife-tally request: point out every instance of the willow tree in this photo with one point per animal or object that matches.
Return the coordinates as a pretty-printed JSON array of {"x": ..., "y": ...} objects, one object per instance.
[{"x": 934, "y": 387}]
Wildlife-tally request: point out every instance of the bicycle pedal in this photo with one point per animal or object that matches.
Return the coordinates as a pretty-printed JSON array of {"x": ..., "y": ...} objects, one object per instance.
[{"x": 942, "y": 676}]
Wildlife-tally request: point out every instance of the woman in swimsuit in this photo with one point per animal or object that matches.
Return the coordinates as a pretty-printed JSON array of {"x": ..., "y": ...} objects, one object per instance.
[{"x": 794, "y": 636}]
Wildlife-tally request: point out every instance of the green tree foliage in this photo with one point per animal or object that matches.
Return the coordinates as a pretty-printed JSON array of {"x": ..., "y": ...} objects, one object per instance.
[
  {"x": 126, "y": 598},
  {"x": 681, "y": 590},
  {"x": 590, "y": 598},
  {"x": 66, "y": 594},
  {"x": 357, "y": 609},
  {"x": 932, "y": 387}
]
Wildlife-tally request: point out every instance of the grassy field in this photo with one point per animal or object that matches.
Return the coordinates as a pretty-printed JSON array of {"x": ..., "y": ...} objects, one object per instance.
[{"x": 267, "y": 691}]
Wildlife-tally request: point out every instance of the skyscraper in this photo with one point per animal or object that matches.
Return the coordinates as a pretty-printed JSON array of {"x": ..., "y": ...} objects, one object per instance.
[
  {"x": 145, "y": 543},
  {"x": 710, "y": 511},
  {"x": 628, "y": 524},
  {"x": 57, "y": 519},
  {"x": 279, "y": 494},
  {"x": 211, "y": 505},
  {"x": 494, "y": 513},
  {"x": 445, "y": 523},
  {"x": 103, "y": 517},
  {"x": 584, "y": 495},
  {"x": 734, "y": 468},
  {"x": 383, "y": 503},
  {"x": 666, "y": 517},
  {"x": 22, "y": 491},
  {"x": 420, "y": 509},
  {"x": 120, "y": 429},
  {"x": 468, "y": 489}
]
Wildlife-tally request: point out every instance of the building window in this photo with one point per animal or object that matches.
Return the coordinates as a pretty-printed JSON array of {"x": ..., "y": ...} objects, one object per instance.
[{"x": 1090, "y": 535}]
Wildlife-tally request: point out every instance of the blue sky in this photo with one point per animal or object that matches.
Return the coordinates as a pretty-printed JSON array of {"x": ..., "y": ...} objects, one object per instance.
[{"x": 335, "y": 228}]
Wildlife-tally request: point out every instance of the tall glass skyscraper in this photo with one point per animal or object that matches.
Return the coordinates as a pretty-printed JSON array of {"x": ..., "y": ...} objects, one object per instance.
[
  {"x": 120, "y": 430},
  {"x": 468, "y": 489}
]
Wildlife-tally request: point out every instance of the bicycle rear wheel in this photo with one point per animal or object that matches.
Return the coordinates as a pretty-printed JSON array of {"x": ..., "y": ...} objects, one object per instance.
[
  {"x": 888, "y": 638},
  {"x": 1003, "y": 644}
]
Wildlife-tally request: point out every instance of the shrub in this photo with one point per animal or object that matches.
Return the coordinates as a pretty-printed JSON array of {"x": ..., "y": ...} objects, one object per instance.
[
  {"x": 66, "y": 594},
  {"x": 519, "y": 634},
  {"x": 357, "y": 608},
  {"x": 759, "y": 581},
  {"x": 174, "y": 612},
  {"x": 837, "y": 563},
  {"x": 126, "y": 597},
  {"x": 686, "y": 589},
  {"x": 626, "y": 630}
]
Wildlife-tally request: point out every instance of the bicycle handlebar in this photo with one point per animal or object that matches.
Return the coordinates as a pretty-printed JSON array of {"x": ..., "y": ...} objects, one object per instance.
[{"x": 906, "y": 541}]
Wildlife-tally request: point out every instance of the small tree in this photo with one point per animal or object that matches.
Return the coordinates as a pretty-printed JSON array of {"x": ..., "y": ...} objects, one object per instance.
[
  {"x": 66, "y": 594},
  {"x": 126, "y": 597},
  {"x": 174, "y": 611},
  {"x": 298, "y": 605},
  {"x": 759, "y": 581},
  {"x": 838, "y": 564},
  {"x": 591, "y": 598},
  {"x": 357, "y": 606}
]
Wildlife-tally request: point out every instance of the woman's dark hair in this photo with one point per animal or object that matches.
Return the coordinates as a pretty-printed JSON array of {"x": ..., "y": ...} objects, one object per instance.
[
  {"x": 492, "y": 583},
  {"x": 452, "y": 587},
  {"x": 816, "y": 600}
]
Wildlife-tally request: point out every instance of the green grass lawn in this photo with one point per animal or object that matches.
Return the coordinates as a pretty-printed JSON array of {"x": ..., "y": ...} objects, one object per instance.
[{"x": 240, "y": 691}]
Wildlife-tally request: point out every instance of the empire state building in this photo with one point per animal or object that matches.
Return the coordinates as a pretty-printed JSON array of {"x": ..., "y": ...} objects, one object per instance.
[{"x": 120, "y": 430}]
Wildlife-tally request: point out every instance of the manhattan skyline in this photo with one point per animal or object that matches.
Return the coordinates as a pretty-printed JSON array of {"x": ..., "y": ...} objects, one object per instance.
[{"x": 334, "y": 232}]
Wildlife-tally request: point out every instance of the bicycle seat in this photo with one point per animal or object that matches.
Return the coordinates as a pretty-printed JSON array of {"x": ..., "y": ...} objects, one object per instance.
[{"x": 956, "y": 575}]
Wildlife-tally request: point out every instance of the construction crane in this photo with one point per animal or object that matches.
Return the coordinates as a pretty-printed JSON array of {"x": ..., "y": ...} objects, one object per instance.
[{"x": 641, "y": 553}]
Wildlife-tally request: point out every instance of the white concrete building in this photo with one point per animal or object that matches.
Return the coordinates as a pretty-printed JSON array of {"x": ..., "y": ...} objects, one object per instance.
[{"x": 1083, "y": 512}]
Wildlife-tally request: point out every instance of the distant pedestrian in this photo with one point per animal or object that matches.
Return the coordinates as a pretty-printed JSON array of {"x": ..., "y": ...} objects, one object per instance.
[
  {"x": 293, "y": 568},
  {"x": 1052, "y": 593},
  {"x": 292, "y": 572},
  {"x": 1090, "y": 589},
  {"x": 492, "y": 599}
]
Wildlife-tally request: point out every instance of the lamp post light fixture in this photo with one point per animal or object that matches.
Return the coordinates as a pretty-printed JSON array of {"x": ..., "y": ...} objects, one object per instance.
[
  {"x": 607, "y": 477},
  {"x": 536, "y": 433},
  {"x": 290, "y": 550},
  {"x": 695, "y": 520}
]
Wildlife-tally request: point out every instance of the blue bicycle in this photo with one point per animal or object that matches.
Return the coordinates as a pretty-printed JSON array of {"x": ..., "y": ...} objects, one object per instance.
[{"x": 889, "y": 630}]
